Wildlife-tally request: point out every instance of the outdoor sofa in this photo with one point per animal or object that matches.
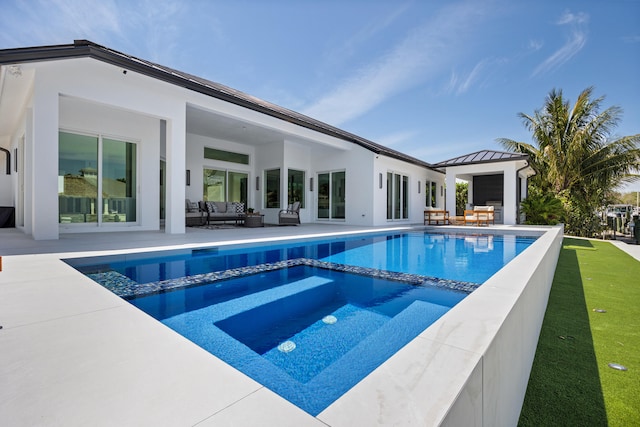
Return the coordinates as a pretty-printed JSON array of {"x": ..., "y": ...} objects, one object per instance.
[
  {"x": 479, "y": 215},
  {"x": 223, "y": 211}
]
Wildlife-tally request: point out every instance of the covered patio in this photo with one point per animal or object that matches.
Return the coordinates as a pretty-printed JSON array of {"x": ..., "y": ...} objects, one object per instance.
[{"x": 495, "y": 178}]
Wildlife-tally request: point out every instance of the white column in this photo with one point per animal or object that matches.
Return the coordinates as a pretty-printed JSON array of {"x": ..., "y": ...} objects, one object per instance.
[
  {"x": 524, "y": 189},
  {"x": 450, "y": 202},
  {"x": 176, "y": 170},
  {"x": 42, "y": 191},
  {"x": 27, "y": 172},
  {"x": 510, "y": 204}
]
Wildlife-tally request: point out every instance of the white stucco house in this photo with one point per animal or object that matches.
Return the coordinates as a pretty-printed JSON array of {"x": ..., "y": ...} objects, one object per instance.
[{"x": 97, "y": 140}]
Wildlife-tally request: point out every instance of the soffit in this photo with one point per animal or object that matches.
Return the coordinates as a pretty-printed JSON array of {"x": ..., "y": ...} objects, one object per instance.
[{"x": 14, "y": 94}]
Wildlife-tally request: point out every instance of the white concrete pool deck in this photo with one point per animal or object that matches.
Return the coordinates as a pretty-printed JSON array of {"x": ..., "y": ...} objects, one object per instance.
[{"x": 72, "y": 353}]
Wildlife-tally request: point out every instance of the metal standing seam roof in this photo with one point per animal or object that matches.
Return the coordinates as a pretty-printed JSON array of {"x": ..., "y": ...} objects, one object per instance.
[
  {"x": 86, "y": 48},
  {"x": 484, "y": 156}
]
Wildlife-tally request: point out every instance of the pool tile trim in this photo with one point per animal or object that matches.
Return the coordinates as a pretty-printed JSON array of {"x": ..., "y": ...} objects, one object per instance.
[{"x": 129, "y": 289}]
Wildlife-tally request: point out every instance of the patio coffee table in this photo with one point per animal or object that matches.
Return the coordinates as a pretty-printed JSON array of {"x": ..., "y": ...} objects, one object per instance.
[{"x": 252, "y": 221}]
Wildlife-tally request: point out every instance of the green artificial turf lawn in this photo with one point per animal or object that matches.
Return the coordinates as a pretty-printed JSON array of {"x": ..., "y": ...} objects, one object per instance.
[{"x": 571, "y": 382}]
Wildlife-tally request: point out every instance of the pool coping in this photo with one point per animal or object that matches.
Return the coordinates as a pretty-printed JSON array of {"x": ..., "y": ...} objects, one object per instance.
[{"x": 79, "y": 354}]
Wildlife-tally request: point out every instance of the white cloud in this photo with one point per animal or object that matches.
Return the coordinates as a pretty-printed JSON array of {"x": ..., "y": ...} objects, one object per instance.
[
  {"x": 631, "y": 39},
  {"x": 147, "y": 27},
  {"x": 397, "y": 139},
  {"x": 423, "y": 52},
  {"x": 472, "y": 77},
  {"x": 535, "y": 45},
  {"x": 574, "y": 43},
  {"x": 60, "y": 21},
  {"x": 478, "y": 76},
  {"x": 159, "y": 22},
  {"x": 570, "y": 18},
  {"x": 353, "y": 43},
  {"x": 452, "y": 84}
]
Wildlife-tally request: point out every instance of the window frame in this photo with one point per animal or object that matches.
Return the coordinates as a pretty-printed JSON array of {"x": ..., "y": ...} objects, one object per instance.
[
  {"x": 227, "y": 182},
  {"x": 99, "y": 201},
  {"x": 398, "y": 196},
  {"x": 226, "y": 156},
  {"x": 272, "y": 185},
  {"x": 290, "y": 183}
]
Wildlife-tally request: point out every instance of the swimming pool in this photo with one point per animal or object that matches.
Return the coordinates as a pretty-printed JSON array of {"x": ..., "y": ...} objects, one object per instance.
[{"x": 309, "y": 319}]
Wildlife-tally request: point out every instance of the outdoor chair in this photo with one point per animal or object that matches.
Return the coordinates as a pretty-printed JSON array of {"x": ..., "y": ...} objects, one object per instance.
[
  {"x": 291, "y": 215},
  {"x": 193, "y": 215},
  {"x": 435, "y": 216}
]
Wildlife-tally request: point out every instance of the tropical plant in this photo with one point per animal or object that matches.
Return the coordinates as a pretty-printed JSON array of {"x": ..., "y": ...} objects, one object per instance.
[
  {"x": 462, "y": 196},
  {"x": 576, "y": 156},
  {"x": 542, "y": 208}
]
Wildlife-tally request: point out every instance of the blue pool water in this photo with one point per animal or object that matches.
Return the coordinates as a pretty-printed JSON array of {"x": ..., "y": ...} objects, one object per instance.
[{"x": 309, "y": 319}]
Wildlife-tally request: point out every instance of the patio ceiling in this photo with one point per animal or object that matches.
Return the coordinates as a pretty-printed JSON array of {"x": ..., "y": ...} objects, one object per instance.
[{"x": 211, "y": 125}]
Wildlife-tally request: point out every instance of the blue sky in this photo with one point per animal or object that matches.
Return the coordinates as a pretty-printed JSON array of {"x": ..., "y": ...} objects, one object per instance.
[{"x": 433, "y": 79}]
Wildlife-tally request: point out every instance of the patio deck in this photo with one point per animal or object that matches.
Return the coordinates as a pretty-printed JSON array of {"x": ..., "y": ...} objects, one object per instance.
[{"x": 73, "y": 353}]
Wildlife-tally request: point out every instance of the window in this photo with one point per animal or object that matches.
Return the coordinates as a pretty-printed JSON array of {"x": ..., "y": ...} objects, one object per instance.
[
  {"x": 215, "y": 185},
  {"x": 434, "y": 189},
  {"x": 272, "y": 188},
  {"x": 405, "y": 197},
  {"x": 397, "y": 196},
  {"x": 226, "y": 156},
  {"x": 119, "y": 180},
  {"x": 97, "y": 179},
  {"x": 430, "y": 194},
  {"x": 295, "y": 187},
  {"x": 225, "y": 186},
  {"x": 237, "y": 187}
]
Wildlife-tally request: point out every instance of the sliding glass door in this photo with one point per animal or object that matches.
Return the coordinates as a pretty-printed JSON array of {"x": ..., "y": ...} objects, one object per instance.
[
  {"x": 331, "y": 195},
  {"x": 97, "y": 179},
  {"x": 397, "y": 196},
  {"x": 225, "y": 186}
]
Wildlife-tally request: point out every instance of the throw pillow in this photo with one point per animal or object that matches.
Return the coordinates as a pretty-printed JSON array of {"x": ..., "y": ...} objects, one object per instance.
[{"x": 239, "y": 207}]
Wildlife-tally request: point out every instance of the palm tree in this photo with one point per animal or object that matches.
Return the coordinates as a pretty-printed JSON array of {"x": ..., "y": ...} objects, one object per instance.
[{"x": 575, "y": 155}]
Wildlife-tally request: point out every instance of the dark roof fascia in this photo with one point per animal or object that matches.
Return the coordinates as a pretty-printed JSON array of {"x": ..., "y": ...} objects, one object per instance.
[{"x": 85, "y": 48}]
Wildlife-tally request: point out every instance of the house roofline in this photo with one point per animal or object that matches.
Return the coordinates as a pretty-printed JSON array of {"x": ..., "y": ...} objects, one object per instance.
[
  {"x": 513, "y": 157},
  {"x": 86, "y": 48}
]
